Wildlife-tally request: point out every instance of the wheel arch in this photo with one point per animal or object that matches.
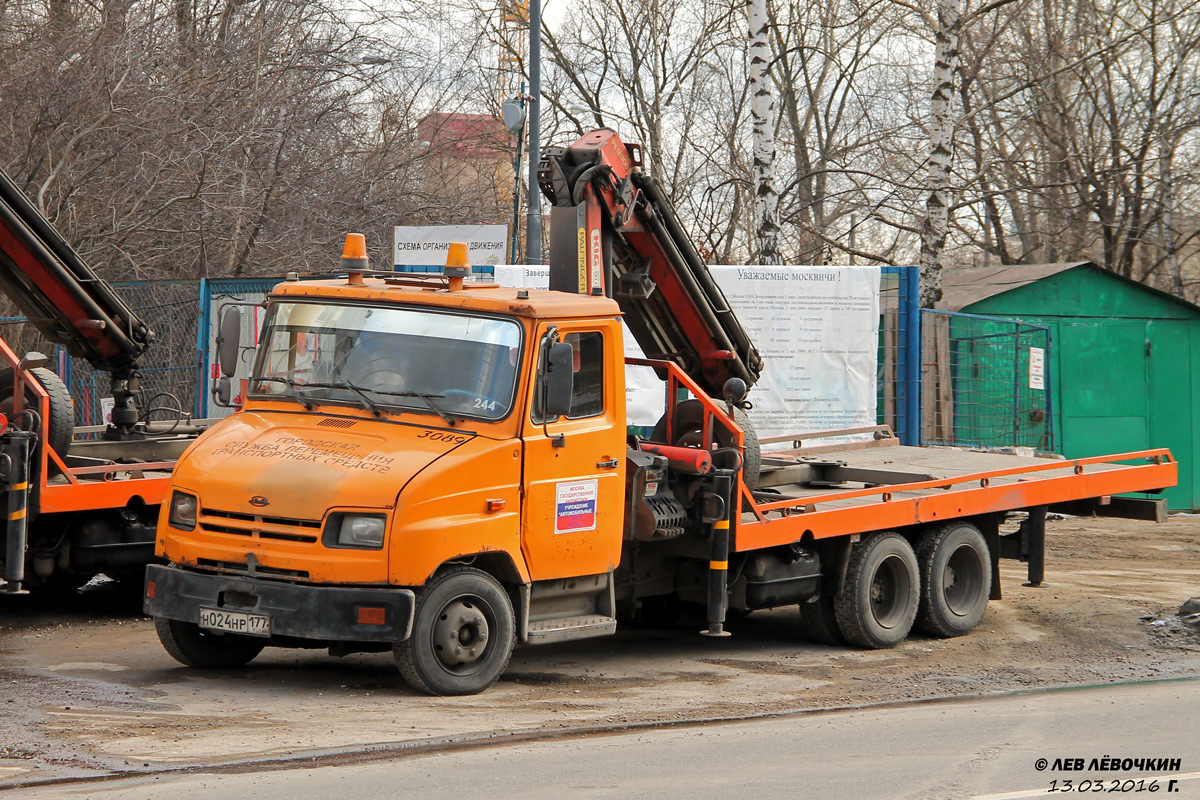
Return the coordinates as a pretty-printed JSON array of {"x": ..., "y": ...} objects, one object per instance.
[{"x": 497, "y": 563}]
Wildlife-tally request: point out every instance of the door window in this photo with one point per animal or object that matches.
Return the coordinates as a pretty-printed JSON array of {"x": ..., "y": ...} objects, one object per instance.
[{"x": 587, "y": 391}]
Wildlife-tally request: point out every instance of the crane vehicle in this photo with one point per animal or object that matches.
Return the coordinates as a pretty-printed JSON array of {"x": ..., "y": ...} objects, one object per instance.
[
  {"x": 75, "y": 508},
  {"x": 442, "y": 468}
]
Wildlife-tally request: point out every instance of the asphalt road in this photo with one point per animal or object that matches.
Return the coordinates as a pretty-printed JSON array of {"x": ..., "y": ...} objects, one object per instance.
[{"x": 985, "y": 748}]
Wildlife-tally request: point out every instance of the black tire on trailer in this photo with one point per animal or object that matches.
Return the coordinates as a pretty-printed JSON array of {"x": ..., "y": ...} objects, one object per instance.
[
  {"x": 956, "y": 579},
  {"x": 878, "y": 604},
  {"x": 689, "y": 421},
  {"x": 59, "y": 429},
  {"x": 193, "y": 646},
  {"x": 818, "y": 621},
  {"x": 462, "y": 637}
]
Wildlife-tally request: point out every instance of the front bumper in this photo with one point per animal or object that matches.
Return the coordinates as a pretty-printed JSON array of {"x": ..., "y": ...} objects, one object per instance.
[{"x": 319, "y": 613}]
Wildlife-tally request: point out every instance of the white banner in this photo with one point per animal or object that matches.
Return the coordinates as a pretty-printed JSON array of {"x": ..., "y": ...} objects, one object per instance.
[
  {"x": 427, "y": 246},
  {"x": 816, "y": 327}
]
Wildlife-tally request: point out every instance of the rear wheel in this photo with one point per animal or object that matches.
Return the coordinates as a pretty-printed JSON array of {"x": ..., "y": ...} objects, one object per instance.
[
  {"x": 193, "y": 646},
  {"x": 956, "y": 579},
  {"x": 462, "y": 637},
  {"x": 818, "y": 621},
  {"x": 878, "y": 603}
]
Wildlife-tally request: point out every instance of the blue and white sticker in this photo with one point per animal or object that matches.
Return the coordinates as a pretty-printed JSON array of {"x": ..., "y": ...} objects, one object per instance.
[{"x": 575, "y": 506}]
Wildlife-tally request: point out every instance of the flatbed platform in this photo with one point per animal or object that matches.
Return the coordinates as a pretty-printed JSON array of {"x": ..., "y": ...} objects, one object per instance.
[{"x": 883, "y": 486}]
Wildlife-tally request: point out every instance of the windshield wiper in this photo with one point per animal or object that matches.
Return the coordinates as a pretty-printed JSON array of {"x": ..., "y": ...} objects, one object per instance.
[
  {"x": 295, "y": 387},
  {"x": 367, "y": 402},
  {"x": 428, "y": 399}
]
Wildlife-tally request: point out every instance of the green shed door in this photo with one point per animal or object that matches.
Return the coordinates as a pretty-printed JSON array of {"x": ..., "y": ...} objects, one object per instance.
[
  {"x": 1103, "y": 387},
  {"x": 1174, "y": 410},
  {"x": 1125, "y": 386}
]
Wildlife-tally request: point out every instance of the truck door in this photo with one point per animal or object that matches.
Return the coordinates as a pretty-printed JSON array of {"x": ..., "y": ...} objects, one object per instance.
[{"x": 575, "y": 465}]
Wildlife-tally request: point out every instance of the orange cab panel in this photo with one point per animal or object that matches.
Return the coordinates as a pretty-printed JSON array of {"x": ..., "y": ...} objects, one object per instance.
[
  {"x": 575, "y": 465},
  {"x": 468, "y": 502}
]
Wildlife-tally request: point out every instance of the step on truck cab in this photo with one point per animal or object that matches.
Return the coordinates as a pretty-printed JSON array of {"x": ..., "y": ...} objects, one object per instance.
[{"x": 441, "y": 468}]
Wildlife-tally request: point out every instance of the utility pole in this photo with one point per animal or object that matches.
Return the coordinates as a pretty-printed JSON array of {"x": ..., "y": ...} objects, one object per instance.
[{"x": 533, "y": 224}]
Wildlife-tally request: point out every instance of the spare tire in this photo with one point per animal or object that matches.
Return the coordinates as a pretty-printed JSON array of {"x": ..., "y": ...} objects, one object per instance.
[
  {"x": 60, "y": 428},
  {"x": 688, "y": 428}
]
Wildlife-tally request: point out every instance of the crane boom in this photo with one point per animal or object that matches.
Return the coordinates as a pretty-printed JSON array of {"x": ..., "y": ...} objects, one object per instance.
[
  {"x": 60, "y": 294},
  {"x": 614, "y": 232},
  {"x": 68, "y": 303}
]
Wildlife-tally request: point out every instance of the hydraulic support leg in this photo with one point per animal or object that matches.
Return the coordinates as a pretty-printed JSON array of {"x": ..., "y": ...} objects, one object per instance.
[
  {"x": 718, "y": 564},
  {"x": 16, "y": 459}
]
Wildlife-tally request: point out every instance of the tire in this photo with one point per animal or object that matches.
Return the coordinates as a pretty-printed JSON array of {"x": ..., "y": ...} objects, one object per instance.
[
  {"x": 60, "y": 428},
  {"x": 818, "y": 622},
  {"x": 462, "y": 637},
  {"x": 956, "y": 579},
  {"x": 878, "y": 604},
  {"x": 193, "y": 646},
  {"x": 689, "y": 421}
]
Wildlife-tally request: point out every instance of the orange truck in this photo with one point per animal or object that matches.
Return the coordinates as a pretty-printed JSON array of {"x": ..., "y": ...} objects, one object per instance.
[
  {"x": 75, "y": 507},
  {"x": 442, "y": 468}
]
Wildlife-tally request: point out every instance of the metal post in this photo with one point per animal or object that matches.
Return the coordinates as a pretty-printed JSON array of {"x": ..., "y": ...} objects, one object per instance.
[
  {"x": 533, "y": 225},
  {"x": 201, "y": 404},
  {"x": 1048, "y": 383},
  {"x": 17, "y": 456},
  {"x": 910, "y": 313},
  {"x": 718, "y": 564},
  {"x": 1016, "y": 416},
  {"x": 1035, "y": 545}
]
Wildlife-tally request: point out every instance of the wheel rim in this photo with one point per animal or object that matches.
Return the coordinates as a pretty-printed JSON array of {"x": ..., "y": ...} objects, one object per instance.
[
  {"x": 462, "y": 634},
  {"x": 962, "y": 579},
  {"x": 890, "y": 592}
]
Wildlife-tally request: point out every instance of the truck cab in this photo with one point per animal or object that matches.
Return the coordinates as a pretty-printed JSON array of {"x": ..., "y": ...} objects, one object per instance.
[{"x": 402, "y": 439}]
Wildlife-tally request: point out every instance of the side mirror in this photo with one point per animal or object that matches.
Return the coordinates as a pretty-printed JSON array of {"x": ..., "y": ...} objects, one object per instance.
[
  {"x": 222, "y": 392},
  {"x": 560, "y": 379},
  {"x": 229, "y": 340}
]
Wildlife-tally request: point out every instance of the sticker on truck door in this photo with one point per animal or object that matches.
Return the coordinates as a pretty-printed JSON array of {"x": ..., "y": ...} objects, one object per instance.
[{"x": 575, "y": 506}]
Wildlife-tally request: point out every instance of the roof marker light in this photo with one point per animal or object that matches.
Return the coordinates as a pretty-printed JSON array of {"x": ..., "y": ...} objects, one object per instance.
[
  {"x": 354, "y": 257},
  {"x": 458, "y": 266}
]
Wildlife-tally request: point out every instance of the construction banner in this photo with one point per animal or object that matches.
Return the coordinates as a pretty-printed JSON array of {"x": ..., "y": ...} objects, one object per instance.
[{"x": 817, "y": 329}]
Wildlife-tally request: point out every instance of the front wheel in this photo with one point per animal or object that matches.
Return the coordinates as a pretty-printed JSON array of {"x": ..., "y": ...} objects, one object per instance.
[
  {"x": 878, "y": 603},
  {"x": 193, "y": 646},
  {"x": 462, "y": 636}
]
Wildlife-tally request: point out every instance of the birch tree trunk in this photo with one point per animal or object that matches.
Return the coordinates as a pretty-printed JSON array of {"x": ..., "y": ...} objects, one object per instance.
[
  {"x": 941, "y": 152},
  {"x": 762, "y": 113}
]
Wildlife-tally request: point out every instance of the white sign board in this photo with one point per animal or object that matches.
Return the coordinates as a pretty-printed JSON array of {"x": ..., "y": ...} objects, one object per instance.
[
  {"x": 1037, "y": 368},
  {"x": 817, "y": 329},
  {"x": 427, "y": 245}
]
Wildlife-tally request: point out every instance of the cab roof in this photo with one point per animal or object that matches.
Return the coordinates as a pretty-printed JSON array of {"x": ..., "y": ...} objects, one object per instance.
[{"x": 488, "y": 298}]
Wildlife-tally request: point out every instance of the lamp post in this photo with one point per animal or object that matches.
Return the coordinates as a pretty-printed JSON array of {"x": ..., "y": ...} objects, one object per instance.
[
  {"x": 515, "y": 116},
  {"x": 533, "y": 224}
]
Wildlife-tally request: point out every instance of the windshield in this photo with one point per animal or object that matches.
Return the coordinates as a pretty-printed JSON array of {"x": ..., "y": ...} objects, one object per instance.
[{"x": 450, "y": 364}]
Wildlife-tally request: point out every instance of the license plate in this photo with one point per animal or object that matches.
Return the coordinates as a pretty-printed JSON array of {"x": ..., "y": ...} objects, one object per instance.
[{"x": 235, "y": 622}]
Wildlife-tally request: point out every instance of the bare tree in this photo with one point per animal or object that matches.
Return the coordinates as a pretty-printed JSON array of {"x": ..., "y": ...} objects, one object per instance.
[{"x": 763, "y": 121}]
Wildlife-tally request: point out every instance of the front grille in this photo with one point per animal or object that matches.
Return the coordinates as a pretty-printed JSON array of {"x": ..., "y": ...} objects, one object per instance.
[
  {"x": 236, "y": 523},
  {"x": 234, "y": 566}
]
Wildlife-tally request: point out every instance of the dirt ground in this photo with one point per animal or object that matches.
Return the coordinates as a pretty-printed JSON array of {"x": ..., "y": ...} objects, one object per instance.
[{"x": 86, "y": 689}]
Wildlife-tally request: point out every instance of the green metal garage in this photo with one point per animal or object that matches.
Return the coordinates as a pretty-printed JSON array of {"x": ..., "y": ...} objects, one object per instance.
[{"x": 1124, "y": 361}]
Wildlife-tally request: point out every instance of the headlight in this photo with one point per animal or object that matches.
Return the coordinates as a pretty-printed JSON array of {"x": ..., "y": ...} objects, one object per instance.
[
  {"x": 355, "y": 530},
  {"x": 183, "y": 511}
]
